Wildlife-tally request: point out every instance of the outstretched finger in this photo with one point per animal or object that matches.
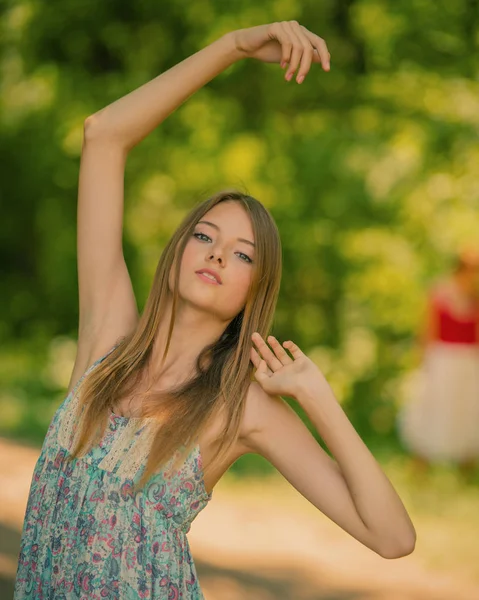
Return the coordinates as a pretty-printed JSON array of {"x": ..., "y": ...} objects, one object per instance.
[
  {"x": 293, "y": 348},
  {"x": 281, "y": 35},
  {"x": 308, "y": 52},
  {"x": 257, "y": 360},
  {"x": 320, "y": 45},
  {"x": 280, "y": 352},
  {"x": 297, "y": 50},
  {"x": 271, "y": 360}
]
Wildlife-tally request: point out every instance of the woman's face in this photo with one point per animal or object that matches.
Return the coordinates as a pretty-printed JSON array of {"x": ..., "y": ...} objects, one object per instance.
[{"x": 222, "y": 241}]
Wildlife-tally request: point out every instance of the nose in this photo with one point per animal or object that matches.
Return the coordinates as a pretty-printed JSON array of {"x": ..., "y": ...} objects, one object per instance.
[
  {"x": 212, "y": 257},
  {"x": 216, "y": 255}
]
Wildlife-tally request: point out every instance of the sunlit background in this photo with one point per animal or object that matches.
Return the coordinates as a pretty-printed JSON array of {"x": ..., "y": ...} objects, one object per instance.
[{"x": 371, "y": 172}]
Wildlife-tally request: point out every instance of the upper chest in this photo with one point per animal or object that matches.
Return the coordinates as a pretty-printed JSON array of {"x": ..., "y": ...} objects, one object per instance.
[{"x": 131, "y": 406}]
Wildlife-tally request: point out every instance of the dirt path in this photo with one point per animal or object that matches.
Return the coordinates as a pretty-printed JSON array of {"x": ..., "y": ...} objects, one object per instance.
[{"x": 258, "y": 542}]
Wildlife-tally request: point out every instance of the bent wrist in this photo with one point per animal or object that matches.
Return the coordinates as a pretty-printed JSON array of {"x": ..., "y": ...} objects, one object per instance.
[{"x": 231, "y": 46}]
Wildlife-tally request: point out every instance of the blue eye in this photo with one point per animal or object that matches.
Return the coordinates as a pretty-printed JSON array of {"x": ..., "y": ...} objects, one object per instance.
[
  {"x": 203, "y": 234},
  {"x": 199, "y": 233},
  {"x": 245, "y": 255}
]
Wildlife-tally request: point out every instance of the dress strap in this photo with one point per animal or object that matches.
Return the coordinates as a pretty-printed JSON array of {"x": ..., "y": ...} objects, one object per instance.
[{"x": 68, "y": 428}]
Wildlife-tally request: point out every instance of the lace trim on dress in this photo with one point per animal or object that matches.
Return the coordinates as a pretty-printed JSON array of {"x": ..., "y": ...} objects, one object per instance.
[
  {"x": 138, "y": 453},
  {"x": 128, "y": 447},
  {"x": 69, "y": 418},
  {"x": 122, "y": 441},
  {"x": 131, "y": 445}
]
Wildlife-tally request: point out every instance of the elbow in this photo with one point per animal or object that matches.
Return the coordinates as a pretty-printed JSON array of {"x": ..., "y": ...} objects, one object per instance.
[
  {"x": 94, "y": 128},
  {"x": 90, "y": 127}
]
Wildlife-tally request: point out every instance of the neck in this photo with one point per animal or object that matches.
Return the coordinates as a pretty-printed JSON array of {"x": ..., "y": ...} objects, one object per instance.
[{"x": 193, "y": 330}]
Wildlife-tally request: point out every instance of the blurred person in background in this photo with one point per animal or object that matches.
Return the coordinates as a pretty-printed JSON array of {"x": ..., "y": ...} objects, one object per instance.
[{"x": 440, "y": 422}]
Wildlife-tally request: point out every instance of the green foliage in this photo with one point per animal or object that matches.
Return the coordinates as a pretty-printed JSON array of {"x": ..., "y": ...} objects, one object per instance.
[{"x": 370, "y": 170}]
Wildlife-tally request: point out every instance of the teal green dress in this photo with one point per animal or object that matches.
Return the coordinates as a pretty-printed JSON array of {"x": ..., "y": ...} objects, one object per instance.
[{"x": 87, "y": 536}]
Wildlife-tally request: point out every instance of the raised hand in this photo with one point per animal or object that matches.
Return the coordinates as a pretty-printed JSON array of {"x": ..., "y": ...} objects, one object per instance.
[
  {"x": 278, "y": 373},
  {"x": 285, "y": 43}
]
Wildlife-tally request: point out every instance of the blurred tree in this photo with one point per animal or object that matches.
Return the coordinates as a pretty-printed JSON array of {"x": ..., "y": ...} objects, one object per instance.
[{"x": 370, "y": 170}]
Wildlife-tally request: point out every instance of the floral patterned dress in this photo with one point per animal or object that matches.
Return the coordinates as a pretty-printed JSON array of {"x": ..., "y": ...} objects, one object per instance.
[{"x": 86, "y": 535}]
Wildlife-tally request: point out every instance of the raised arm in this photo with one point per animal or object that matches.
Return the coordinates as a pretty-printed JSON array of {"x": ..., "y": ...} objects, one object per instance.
[
  {"x": 107, "y": 304},
  {"x": 131, "y": 118}
]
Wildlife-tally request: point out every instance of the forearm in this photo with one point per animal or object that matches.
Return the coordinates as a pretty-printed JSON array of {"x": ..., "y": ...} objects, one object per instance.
[
  {"x": 374, "y": 497},
  {"x": 132, "y": 117}
]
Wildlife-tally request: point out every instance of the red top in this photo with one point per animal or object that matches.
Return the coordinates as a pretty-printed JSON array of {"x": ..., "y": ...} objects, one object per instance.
[{"x": 455, "y": 329}]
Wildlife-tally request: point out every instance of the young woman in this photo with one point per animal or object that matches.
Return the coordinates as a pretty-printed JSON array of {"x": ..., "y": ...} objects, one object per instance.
[
  {"x": 440, "y": 422},
  {"x": 165, "y": 402}
]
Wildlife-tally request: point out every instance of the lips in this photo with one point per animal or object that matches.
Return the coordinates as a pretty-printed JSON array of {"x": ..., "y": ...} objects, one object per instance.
[{"x": 212, "y": 273}]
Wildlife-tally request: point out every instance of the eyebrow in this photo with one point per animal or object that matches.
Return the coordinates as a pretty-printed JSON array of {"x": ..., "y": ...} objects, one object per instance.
[{"x": 218, "y": 229}]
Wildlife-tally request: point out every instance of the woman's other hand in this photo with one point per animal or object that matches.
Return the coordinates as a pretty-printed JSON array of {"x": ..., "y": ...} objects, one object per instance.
[
  {"x": 280, "y": 374},
  {"x": 287, "y": 43}
]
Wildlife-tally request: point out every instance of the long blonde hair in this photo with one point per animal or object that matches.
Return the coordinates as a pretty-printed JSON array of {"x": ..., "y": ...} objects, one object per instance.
[{"x": 224, "y": 368}]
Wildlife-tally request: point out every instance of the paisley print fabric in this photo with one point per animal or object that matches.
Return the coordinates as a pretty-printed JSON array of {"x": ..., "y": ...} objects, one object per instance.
[{"x": 86, "y": 536}]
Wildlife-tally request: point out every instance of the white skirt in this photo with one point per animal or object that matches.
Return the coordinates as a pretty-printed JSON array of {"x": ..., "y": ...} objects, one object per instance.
[{"x": 440, "y": 419}]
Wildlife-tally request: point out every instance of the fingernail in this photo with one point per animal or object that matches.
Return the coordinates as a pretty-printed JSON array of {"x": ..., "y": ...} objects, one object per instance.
[
  {"x": 301, "y": 79},
  {"x": 288, "y": 76}
]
